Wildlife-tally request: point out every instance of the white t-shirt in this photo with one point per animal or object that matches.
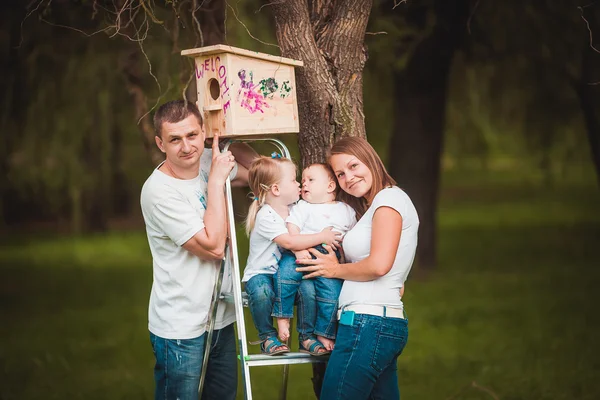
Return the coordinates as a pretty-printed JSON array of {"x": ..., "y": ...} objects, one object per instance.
[
  {"x": 313, "y": 218},
  {"x": 183, "y": 284},
  {"x": 264, "y": 254},
  {"x": 357, "y": 246}
]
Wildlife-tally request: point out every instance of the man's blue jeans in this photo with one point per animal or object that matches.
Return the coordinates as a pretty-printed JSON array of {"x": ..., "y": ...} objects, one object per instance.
[
  {"x": 327, "y": 292},
  {"x": 179, "y": 364},
  {"x": 363, "y": 364},
  {"x": 261, "y": 296}
]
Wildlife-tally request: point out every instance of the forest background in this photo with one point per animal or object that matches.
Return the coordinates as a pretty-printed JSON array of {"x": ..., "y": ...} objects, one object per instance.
[{"x": 502, "y": 304}]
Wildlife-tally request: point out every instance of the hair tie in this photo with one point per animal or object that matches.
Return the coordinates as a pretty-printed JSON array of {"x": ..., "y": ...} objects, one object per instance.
[
  {"x": 256, "y": 199},
  {"x": 275, "y": 155}
]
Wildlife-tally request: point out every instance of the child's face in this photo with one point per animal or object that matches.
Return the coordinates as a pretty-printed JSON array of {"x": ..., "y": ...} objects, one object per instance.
[
  {"x": 316, "y": 185},
  {"x": 289, "y": 188}
]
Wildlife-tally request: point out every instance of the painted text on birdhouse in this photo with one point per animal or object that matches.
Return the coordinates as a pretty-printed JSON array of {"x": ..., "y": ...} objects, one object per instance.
[{"x": 245, "y": 93}]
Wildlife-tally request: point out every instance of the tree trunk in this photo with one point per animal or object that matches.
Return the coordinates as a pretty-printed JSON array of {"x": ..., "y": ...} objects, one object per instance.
[
  {"x": 13, "y": 100},
  {"x": 588, "y": 91},
  {"x": 212, "y": 22},
  {"x": 121, "y": 198},
  {"x": 329, "y": 38},
  {"x": 421, "y": 93},
  {"x": 130, "y": 67}
]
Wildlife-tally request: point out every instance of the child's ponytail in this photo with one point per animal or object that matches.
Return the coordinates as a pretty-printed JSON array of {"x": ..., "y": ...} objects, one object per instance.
[
  {"x": 263, "y": 173},
  {"x": 251, "y": 217}
]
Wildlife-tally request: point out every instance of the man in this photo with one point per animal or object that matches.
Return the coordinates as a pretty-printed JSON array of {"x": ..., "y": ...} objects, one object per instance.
[{"x": 184, "y": 209}]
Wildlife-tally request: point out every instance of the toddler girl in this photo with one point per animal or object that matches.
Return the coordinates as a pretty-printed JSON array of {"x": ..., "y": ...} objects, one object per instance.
[{"x": 273, "y": 182}]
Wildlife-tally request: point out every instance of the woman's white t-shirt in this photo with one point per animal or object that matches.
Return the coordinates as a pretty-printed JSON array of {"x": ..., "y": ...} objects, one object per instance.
[
  {"x": 357, "y": 246},
  {"x": 264, "y": 254}
]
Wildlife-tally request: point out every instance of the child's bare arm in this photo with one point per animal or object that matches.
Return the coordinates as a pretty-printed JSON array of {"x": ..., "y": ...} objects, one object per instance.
[
  {"x": 303, "y": 242},
  {"x": 293, "y": 229}
]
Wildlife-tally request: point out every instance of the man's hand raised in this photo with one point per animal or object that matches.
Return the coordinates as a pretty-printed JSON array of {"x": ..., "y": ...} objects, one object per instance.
[{"x": 222, "y": 164}]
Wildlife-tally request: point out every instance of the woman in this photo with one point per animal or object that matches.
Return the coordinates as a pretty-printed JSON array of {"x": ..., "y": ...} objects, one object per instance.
[{"x": 379, "y": 251}]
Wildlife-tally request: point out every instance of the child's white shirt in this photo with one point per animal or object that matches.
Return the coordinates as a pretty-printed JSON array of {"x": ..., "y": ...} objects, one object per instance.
[
  {"x": 264, "y": 254},
  {"x": 313, "y": 218}
]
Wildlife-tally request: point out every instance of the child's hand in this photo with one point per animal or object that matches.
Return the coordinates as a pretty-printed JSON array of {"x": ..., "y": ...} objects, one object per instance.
[
  {"x": 302, "y": 254},
  {"x": 330, "y": 237}
]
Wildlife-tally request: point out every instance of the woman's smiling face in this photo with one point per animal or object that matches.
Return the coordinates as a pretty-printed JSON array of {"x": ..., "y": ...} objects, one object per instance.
[{"x": 353, "y": 176}]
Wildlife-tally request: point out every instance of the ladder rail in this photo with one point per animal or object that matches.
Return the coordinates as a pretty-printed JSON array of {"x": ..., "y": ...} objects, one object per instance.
[
  {"x": 237, "y": 289},
  {"x": 212, "y": 316}
]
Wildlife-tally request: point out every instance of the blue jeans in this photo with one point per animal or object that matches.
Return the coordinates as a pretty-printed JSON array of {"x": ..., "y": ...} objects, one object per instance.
[
  {"x": 261, "y": 296},
  {"x": 327, "y": 292},
  {"x": 179, "y": 364},
  {"x": 363, "y": 362}
]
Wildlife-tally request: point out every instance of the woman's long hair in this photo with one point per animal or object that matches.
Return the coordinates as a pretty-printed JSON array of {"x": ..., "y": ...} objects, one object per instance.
[
  {"x": 361, "y": 149},
  {"x": 262, "y": 175}
]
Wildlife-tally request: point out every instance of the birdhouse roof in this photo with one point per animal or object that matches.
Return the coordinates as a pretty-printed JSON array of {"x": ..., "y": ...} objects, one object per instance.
[{"x": 221, "y": 48}]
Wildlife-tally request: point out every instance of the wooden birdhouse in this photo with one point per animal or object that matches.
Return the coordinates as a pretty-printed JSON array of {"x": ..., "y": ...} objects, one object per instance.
[{"x": 245, "y": 93}]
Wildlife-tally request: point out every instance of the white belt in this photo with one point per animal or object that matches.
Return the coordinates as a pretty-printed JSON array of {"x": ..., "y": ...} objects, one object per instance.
[{"x": 378, "y": 311}]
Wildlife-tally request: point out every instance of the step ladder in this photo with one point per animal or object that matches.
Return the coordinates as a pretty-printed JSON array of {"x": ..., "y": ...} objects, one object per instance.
[{"x": 240, "y": 300}]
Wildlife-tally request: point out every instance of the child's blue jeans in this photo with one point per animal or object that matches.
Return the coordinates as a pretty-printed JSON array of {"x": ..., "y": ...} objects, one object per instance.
[
  {"x": 327, "y": 292},
  {"x": 261, "y": 296}
]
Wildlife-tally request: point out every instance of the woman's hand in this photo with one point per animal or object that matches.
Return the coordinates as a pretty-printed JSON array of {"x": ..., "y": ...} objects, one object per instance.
[{"x": 325, "y": 265}]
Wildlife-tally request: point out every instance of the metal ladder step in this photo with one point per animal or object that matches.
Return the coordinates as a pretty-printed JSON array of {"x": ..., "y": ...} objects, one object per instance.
[
  {"x": 258, "y": 360},
  {"x": 229, "y": 299}
]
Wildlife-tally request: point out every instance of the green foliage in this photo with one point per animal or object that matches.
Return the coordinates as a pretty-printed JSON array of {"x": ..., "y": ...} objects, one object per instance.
[
  {"x": 511, "y": 103},
  {"x": 250, "y": 26},
  {"x": 512, "y": 95}
]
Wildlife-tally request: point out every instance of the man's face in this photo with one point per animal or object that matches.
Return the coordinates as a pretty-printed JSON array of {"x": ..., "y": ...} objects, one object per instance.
[
  {"x": 316, "y": 185},
  {"x": 182, "y": 142}
]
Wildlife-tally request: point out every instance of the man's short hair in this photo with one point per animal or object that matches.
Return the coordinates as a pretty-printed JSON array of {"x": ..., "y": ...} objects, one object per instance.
[{"x": 173, "y": 112}]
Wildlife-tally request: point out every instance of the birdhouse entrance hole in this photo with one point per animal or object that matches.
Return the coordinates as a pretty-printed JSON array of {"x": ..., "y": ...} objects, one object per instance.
[{"x": 214, "y": 89}]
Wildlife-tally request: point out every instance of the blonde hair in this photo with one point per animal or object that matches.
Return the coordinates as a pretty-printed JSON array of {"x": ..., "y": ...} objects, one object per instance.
[
  {"x": 262, "y": 175},
  {"x": 361, "y": 149}
]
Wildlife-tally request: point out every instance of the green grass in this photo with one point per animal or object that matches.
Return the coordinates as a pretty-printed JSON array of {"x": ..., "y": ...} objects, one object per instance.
[{"x": 512, "y": 307}]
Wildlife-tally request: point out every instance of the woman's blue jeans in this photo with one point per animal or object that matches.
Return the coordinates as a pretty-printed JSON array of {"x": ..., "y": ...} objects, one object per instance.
[
  {"x": 327, "y": 292},
  {"x": 179, "y": 365},
  {"x": 261, "y": 297},
  {"x": 363, "y": 362}
]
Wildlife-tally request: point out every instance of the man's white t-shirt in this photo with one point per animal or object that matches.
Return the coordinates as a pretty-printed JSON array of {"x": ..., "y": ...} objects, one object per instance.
[
  {"x": 264, "y": 253},
  {"x": 183, "y": 284},
  {"x": 313, "y": 218},
  {"x": 357, "y": 246}
]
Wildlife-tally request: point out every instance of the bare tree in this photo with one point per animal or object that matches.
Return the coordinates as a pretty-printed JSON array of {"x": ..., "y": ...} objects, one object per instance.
[{"x": 587, "y": 86}]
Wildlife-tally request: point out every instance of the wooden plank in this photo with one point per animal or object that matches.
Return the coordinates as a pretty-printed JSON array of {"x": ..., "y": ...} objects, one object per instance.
[{"x": 221, "y": 48}]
